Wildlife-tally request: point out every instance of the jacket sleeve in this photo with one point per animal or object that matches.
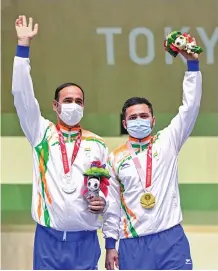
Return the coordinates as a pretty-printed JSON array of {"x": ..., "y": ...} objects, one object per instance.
[
  {"x": 183, "y": 123},
  {"x": 27, "y": 107},
  {"x": 111, "y": 218},
  {"x": 104, "y": 162}
]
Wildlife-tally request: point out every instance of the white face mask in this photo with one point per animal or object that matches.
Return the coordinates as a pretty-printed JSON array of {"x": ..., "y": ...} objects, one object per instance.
[
  {"x": 139, "y": 128},
  {"x": 71, "y": 114}
]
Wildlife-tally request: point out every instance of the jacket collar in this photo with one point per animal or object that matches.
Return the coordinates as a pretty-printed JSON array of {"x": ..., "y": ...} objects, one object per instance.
[
  {"x": 142, "y": 141},
  {"x": 67, "y": 130}
]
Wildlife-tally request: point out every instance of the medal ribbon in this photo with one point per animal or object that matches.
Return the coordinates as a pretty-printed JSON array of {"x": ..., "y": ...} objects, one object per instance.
[
  {"x": 64, "y": 150},
  {"x": 138, "y": 165}
]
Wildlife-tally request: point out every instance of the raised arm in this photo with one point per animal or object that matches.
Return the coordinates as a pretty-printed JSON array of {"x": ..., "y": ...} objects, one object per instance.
[
  {"x": 183, "y": 123},
  {"x": 27, "y": 107},
  {"x": 111, "y": 224}
]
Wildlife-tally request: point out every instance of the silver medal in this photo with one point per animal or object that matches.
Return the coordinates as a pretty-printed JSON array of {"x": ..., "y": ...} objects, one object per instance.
[{"x": 68, "y": 186}]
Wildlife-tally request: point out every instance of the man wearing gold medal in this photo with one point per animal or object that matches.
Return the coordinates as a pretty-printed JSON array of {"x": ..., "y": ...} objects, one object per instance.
[
  {"x": 145, "y": 213},
  {"x": 66, "y": 232}
]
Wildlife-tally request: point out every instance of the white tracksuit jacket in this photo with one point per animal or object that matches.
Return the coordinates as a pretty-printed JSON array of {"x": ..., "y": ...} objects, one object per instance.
[
  {"x": 51, "y": 207},
  {"x": 126, "y": 218}
]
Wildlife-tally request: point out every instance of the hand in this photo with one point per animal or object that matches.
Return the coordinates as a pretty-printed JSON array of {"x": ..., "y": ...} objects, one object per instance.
[
  {"x": 25, "y": 32},
  {"x": 96, "y": 205},
  {"x": 191, "y": 56},
  {"x": 111, "y": 259}
]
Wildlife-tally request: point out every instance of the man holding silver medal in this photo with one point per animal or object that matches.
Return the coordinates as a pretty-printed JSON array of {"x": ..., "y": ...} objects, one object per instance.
[
  {"x": 67, "y": 222},
  {"x": 145, "y": 213}
]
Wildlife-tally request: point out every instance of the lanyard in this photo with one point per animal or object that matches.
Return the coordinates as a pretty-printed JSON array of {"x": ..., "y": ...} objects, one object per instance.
[
  {"x": 64, "y": 150},
  {"x": 138, "y": 166}
]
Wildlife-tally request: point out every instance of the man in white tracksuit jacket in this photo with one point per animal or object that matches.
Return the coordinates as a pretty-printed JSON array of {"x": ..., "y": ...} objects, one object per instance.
[
  {"x": 145, "y": 212},
  {"x": 66, "y": 231}
]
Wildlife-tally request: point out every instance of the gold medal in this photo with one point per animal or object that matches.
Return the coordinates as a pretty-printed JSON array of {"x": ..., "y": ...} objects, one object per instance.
[{"x": 147, "y": 201}]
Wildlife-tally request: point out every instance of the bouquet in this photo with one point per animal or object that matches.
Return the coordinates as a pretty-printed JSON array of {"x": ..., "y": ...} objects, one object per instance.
[
  {"x": 176, "y": 42},
  {"x": 96, "y": 179}
]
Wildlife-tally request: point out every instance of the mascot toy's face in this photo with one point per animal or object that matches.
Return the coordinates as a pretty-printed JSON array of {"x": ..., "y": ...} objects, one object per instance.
[
  {"x": 93, "y": 184},
  {"x": 180, "y": 42}
]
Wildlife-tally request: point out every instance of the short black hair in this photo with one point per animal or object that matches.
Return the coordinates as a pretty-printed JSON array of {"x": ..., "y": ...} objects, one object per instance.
[
  {"x": 58, "y": 89},
  {"x": 134, "y": 101}
]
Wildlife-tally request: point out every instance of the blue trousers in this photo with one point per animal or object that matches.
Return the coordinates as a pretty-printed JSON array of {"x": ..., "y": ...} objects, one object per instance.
[
  {"x": 167, "y": 250},
  {"x": 80, "y": 250}
]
